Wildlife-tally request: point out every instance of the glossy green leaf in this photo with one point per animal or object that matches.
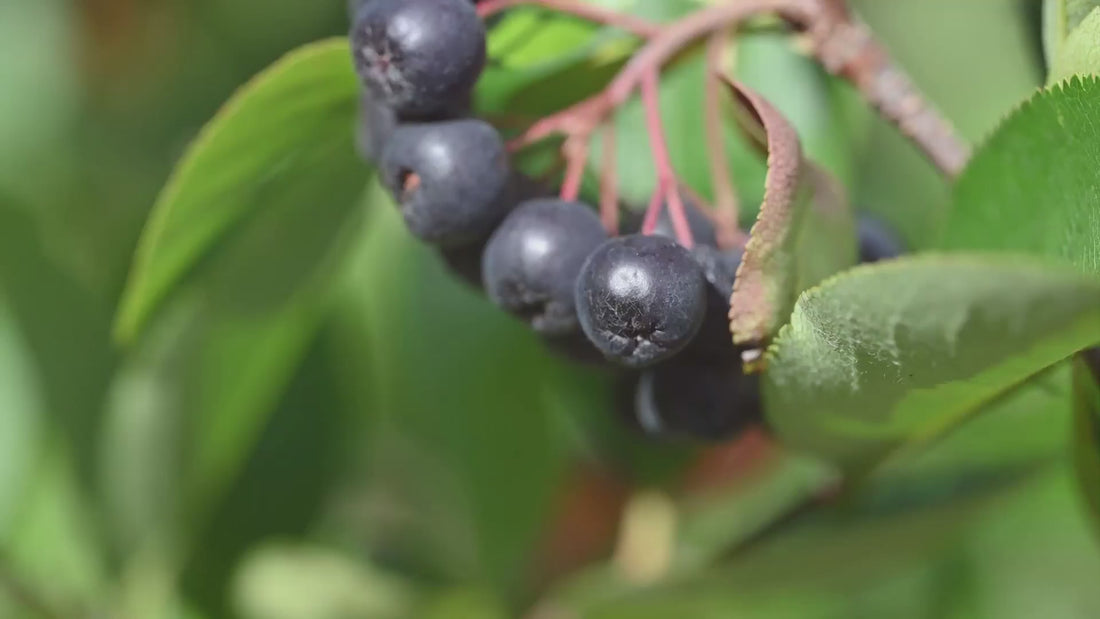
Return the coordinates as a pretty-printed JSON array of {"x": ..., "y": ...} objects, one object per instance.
[
  {"x": 1086, "y": 441},
  {"x": 285, "y": 138},
  {"x": 803, "y": 233},
  {"x": 1080, "y": 53},
  {"x": 895, "y": 353},
  {"x": 1033, "y": 187}
]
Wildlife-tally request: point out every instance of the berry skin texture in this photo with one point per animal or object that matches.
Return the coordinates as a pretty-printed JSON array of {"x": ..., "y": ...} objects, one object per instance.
[
  {"x": 532, "y": 261},
  {"x": 641, "y": 299},
  {"x": 877, "y": 241},
  {"x": 701, "y": 226},
  {"x": 449, "y": 179},
  {"x": 419, "y": 56},
  {"x": 719, "y": 267},
  {"x": 696, "y": 400}
]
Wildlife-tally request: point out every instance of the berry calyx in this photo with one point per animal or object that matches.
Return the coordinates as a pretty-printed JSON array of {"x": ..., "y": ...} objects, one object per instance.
[
  {"x": 532, "y": 261},
  {"x": 419, "y": 56},
  {"x": 448, "y": 179},
  {"x": 641, "y": 299}
]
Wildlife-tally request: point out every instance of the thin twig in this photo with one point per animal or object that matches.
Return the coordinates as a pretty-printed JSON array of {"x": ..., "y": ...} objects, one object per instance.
[
  {"x": 629, "y": 23},
  {"x": 727, "y": 207},
  {"x": 842, "y": 44},
  {"x": 586, "y": 115},
  {"x": 609, "y": 180},
  {"x": 666, "y": 176},
  {"x": 653, "y": 210},
  {"x": 846, "y": 47}
]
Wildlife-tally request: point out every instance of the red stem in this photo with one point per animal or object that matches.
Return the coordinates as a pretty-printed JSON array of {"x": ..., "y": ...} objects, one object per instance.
[
  {"x": 586, "y": 115},
  {"x": 575, "y": 151},
  {"x": 609, "y": 181},
  {"x": 843, "y": 45},
  {"x": 653, "y": 210},
  {"x": 666, "y": 176},
  {"x": 629, "y": 23},
  {"x": 727, "y": 207}
]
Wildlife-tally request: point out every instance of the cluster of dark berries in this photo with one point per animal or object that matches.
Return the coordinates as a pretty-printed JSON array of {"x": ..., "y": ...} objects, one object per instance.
[{"x": 642, "y": 302}]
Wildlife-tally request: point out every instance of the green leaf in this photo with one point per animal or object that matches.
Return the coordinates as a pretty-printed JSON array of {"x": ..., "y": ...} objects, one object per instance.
[
  {"x": 40, "y": 77},
  {"x": 803, "y": 233},
  {"x": 1080, "y": 53},
  {"x": 20, "y": 423},
  {"x": 894, "y": 353},
  {"x": 54, "y": 545},
  {"x": 1060, "y": 19},
  {"x": 801, "y": 90},
  {"x": 1033, "y": 187},
  {"x": 466, "y": 438},
  {"x": 70, "y": 348},
  {"x": 713, "y": 524},
  {"x": 1086, "y": 442},
  {"x": 286, "y": 137}
]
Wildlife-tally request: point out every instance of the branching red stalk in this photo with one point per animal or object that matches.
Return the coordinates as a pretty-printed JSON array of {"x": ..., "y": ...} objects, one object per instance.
[
  {"x": 653, "y": 209},
  {"x": 582, "y": 117},
  {"x": 666, "y": 176},
  {"x": 609, "y": 181},
  {"x": 634, "y": 25},
  {"x": 727, "y": 207},
  {"x": 575, "y": 150},
  {"x": 842, "y": 44}
]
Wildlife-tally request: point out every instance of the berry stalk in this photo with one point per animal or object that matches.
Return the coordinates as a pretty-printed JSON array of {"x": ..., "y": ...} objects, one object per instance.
[
  {"x": 667, "y": 185},
  {"x": 575, "y": 150},
  {"x": 609, "y": 180},
  {"x": 727, "y": 206},
  {"x": 842, "y": 45},
  {"x": 599, "y": 15}
]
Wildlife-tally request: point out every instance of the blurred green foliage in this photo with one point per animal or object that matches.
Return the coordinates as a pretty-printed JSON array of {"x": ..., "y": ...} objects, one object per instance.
[{"x": 385, "y": 443}]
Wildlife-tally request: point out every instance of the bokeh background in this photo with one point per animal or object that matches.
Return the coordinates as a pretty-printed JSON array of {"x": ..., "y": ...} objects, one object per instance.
[{"x": 387, "y": 444}]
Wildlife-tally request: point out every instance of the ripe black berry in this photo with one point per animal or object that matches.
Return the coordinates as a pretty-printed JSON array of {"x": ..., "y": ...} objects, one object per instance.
[
  {"x": 877, "y": 241},
  {"x": 464, "y": 261},
  {"x": 354, "y": 6},
  {"x": 702, "y": 226},
  {"x": 697, "y": 400},
  {"x": 531, "y": 263},
  {"x": 448, "y": 178},
  {"x": 641, "y": 299},
  {"x": 719, "y": 268},
  {"x": 420, "y": 56}
]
